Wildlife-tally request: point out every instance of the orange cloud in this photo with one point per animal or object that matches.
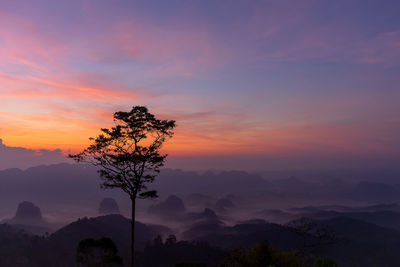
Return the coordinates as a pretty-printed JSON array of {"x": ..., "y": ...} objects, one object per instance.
[{"x": 60, "y": 87}]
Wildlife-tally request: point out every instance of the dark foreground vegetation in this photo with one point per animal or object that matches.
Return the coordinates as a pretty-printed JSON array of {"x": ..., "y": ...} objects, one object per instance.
[
  {"x": 209, "y": 227},
  {"x": 41, "y": 251},
  {"x": 305, "y": 242}
]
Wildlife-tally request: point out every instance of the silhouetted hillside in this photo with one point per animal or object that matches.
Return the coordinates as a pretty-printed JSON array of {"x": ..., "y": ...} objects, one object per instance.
[
  {"x": 17, "y": 248},
  {"x": 63, "y": 243},
  {"x": 363, "y": 244},
  {"x": 356, "y": 243},
  {"x": 245, "y": 234}
]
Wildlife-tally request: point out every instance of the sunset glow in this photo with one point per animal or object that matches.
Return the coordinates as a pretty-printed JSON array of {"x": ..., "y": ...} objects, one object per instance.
[{"x": 261, "y": 79}]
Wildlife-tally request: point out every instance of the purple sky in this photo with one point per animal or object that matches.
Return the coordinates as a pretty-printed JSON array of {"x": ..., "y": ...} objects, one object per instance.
[{"x": 247, "y": 81}]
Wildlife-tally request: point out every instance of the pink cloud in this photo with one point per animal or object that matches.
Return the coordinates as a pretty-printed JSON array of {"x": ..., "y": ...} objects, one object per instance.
[
  {"x": 23, "y": 43},
  {"x": 172, "y": 50},
  {"x": 165, "y": 50},
  {"x": 62, "y": 87}
]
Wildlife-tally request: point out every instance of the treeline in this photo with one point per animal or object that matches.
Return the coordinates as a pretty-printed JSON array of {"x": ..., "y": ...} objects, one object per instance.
[
  {"x": 171, "y": 252},
  {"x": 20, "y": 249}
]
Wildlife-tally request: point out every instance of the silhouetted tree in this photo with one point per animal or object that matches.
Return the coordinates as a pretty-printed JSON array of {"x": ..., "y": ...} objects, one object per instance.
[
  {"x": 171, "y": 240},
  {"x": 98, "y": 253},
  {"x": 128, "y": 155}
]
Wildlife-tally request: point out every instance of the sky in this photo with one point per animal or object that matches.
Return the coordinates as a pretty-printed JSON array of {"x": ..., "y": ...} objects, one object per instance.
[{"x": 250, "y": 83}]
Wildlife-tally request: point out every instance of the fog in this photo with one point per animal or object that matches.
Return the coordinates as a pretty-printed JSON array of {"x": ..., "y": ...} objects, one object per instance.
[
  {"x": 226, "y": 208},
  {"x": 286, "y": 163},
  {"x": 65, "y": 192},
  {"x": 227, "y": 201}
]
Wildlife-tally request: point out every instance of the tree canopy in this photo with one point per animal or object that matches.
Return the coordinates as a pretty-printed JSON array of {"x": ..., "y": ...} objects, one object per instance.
[{"x": 128, "y": 154}]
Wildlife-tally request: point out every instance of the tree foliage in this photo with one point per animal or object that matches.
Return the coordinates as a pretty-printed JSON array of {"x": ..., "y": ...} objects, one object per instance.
[
  {"x": 263, "y": 254},
  {"x": 98, "y": 253},
  {"x": 128, "y": 154}
]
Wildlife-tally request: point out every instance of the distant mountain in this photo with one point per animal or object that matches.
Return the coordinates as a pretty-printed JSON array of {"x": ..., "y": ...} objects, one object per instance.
[
  {"x": 210, "y": 183},
  {"x": 196, "y": 199},
  {"x": 380, "y": 207},
  {"x": 29, "y": 218},
  {"x": 388, "y": 219},
  {"x": 54, "y": 185},
  {"x": 108, "y": 206},
  {"x": 340, "y": 208},
  {"x": 223, "y": 204},
  {"x": 28, "y": 213},
  {"x": 276, "y": 215},
  {"x": 207, "y": 215},
  {"x": 171, "y": 207},
  {"x": 376, "y": 192}
]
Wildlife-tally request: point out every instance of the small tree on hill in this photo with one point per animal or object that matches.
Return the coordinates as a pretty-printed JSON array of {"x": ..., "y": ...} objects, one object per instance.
[
  {"x": 128, "y": 155},
  {"x": 101, "y": 252}
]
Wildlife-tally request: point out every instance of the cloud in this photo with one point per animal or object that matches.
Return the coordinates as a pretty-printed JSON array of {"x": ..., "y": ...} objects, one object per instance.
[
  {"x": 294, "y": 31},
  {"x": 59, "y": 87},
  {"x": 83, "y": 86},
  {"x": 162, "y": 50},
  {"x": 23, "y": 45},
  {"x": 19, "y": 157}
]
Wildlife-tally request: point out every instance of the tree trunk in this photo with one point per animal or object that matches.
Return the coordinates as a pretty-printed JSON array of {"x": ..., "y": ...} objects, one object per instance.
[{"x": 133, "y": 233}]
